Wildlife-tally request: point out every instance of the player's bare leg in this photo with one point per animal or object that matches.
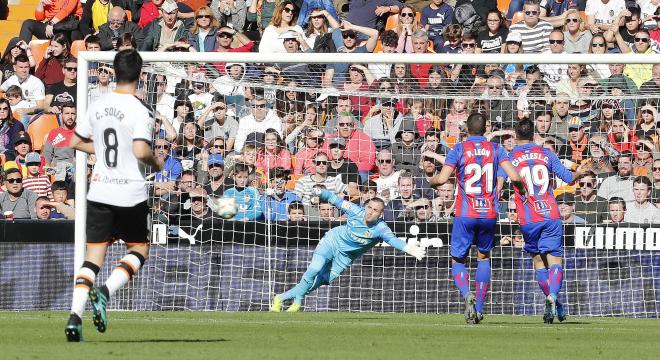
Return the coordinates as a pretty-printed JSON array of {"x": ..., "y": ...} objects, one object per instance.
[{"x": 94, "y": 258}]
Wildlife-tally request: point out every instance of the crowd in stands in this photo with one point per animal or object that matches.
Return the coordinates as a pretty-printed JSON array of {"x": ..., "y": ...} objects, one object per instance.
[{"x": 266, "y": 134}]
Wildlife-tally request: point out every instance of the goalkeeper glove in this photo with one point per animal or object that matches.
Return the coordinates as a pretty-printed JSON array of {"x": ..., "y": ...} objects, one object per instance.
[{"x": 415, "y": 251}]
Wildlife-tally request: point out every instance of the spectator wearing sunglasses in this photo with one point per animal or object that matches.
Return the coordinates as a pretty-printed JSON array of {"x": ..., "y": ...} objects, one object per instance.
[
  {"x": 627, "y": 23},
  {"x": 117, "y": 25},
  {"x": 336, "y": 74},
  {"x": 64, "y": 91},
  {"x": 588, "y": 205},
  {"x": 284, "y": 19},
  {"x": 16, "y": 199},
  {"x": 306, "y": 184},
  {"x": 534, "y": 31},
  {"x": 359, "y": 147},
  {"x": 577, "y": 38},
  {"x": 639, "y": 73},
  {"x": 388, "y": 175}
]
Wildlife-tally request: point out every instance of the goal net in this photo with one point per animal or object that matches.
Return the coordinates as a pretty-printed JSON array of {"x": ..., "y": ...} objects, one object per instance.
[{"x": 265, "y": 128}]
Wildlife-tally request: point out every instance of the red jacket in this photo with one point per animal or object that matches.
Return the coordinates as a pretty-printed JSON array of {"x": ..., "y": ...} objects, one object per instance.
[{"x": 359, "y": 149}]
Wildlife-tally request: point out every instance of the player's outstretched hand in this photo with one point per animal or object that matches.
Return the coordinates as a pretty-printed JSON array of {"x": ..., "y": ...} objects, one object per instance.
[{"x": 415, "y": 251}]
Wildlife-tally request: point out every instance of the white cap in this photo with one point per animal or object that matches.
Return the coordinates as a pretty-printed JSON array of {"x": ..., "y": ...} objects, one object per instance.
[
  {"x": 514, "y": 36},
  {"x": 289, "y": 34},
  {"x": 169, "y": 5}
]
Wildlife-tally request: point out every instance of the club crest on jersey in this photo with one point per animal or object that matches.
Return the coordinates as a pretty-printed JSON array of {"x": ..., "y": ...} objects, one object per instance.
[{"x": 541, "y": 206}]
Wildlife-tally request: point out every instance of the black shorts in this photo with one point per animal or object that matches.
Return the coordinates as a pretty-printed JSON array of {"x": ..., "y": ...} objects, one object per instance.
[{"x": 107, "y": 223}]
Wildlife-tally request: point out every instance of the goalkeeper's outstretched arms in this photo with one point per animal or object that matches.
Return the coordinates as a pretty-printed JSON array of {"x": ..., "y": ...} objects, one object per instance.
[
  {"x": 346, "y": 206},
  {"x": 411, "y": 249}
]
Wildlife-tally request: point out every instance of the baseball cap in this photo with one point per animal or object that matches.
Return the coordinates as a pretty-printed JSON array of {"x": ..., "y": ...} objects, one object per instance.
[
  {"x": 566, "y": 198},
  {"x": 514, "y": 36},
  {"x": 574, "y": 123},
  {"x": 198, "y": 192},
  {"x": 24, "y": 137},
  {"x": 216, "y": 159},
  {"x": 33, "y": 157},
  {"x": 169, "y": 6},
  {"x": 289, "y": 34}
]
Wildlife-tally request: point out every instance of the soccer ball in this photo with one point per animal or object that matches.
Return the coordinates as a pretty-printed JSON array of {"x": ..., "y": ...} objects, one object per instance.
[{"x": 225, "y": 207}]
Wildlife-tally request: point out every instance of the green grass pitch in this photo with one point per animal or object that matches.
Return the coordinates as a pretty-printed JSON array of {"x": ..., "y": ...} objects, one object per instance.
[{"x": 259, "y": 335}]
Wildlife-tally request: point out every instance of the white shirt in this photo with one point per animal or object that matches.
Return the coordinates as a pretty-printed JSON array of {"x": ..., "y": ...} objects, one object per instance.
[
  {"x": 200, "y": 103},
  {"x": 248, "y": 124},
  {"x": 33, "y": 89},
  {"x": 390, "y": 183},
  {"x": 647, "y": 9},
  {"x": 165, "y": 106},
  {"x": 114, "y": 122},
  {"x": 604, "y": 13},
  {"x": 649, "y": 214},
  {"x": 554, "y": 73}
]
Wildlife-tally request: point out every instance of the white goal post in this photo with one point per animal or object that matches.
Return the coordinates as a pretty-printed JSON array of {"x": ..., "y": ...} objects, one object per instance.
[{"x": 274, "y": 276}]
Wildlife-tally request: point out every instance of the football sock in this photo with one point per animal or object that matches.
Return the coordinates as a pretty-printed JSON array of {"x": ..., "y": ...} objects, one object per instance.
[
  {"x": 122, "y": 274},
  {"x": 556, "y": 275},
  {"x": 461, "y": 278},
  {"x": 482, "y": 279},
  {"x": 542, "y": 279},
  {"x": 84, "y": 283},
  {"x": 313, "y": 276}
]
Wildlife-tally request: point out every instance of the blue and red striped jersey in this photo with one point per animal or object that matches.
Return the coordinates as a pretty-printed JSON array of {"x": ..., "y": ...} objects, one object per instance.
[
  {"x": 536, "y": 166},
  {"x": 476, "y": 162}
]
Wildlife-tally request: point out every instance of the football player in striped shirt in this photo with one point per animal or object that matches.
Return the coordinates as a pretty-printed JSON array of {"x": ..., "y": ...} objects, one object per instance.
[
  {"x": 476, "y": 162},
  {"x": 538, "y": 213}
]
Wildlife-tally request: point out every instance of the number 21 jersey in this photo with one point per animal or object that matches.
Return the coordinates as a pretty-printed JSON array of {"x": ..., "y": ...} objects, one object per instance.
[
  {"x": 476, "y": 161},
  {"x": 113, "y": 123}
]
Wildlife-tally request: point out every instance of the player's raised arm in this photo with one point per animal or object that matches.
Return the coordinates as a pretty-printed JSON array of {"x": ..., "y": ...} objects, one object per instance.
[
  {"x": 83, "y": 144},
  {"x": 142, "y": 152},
  {"x": 513, "y": 175},
  {"x": 411, "y": 249},
  {"x": 336, "y": 200}
]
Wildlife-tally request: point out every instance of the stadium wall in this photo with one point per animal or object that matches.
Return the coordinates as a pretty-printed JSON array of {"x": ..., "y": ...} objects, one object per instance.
[{"x": 610, "y": 271}]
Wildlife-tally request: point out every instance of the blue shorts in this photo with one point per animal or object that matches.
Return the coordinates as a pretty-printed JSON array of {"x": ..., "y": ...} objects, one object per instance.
[
  {"x": 328, "y": 250},
  {"x": 466, "y": 231},
  {"x": 544, "y": 237}
]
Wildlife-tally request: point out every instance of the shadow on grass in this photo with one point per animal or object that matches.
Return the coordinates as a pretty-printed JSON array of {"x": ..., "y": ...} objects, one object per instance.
[
  {"x": 174, "y": 341},
  {"x": 539, "y": 323}
]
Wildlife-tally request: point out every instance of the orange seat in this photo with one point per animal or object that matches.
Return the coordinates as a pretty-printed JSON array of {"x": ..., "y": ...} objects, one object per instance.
[
  {"x": 194, "y": 4},
  {"x": 517, "y": 17},
  {"x": 40, "y": 128},
  {"x": 129, "y": 15},
  {"x": 583, "y": 15},
  {"x": 78, "y": 45},
  {"x": 503, "y": 5},
  {"x": 379, "y": 47},
  {"x": 38, "y": 49}
]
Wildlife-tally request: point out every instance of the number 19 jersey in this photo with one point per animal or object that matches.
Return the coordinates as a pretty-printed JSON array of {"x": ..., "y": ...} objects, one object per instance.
[
  {"x": 113, "y": 123},
  {"x": 476, "y": 162},
  {"x": 536, "y": 165}
]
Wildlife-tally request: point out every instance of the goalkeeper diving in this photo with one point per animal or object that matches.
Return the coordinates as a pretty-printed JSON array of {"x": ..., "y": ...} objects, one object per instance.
[{"x": 343, "y": 244}]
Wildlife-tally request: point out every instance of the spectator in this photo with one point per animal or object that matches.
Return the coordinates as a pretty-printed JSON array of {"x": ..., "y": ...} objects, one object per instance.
[
  {"x": 22, "y": 146},
  {"x": 92, "y": 43},
  {"x": 294, "y": 43},
  {"x": 327, "y": 211},
  {"x": 117, "y": 25},
  {"x": 176, "y": 203},
  {"x": 202, "y": 35},
  {"x": 319, "y": 28},
  {"x": 405, "y": 28},
  {"x": 359, "y": 147},
  {"x": 199, "y": 210},
  {"x": 103, "y": 86},
  {"x": 259, "y": 120},
  {"x": 588, "y": 205},
  {"x": 336, "y": 74},
  {"x": 420, "y": 45},
  {"x": 566, "y": 203},
  {"x": 344, "y": 105},
  {"x": 423, "y": 211},
  {"x": 226, "y": 35},
  {"x": 53, "y": 17},
  {"x": 246, "y": 197},
  {"x": 61, "y": 206},
  {"x": 389, "y": 41},
  {"x": 450, "y": 42},
  {"x": 426, "y": 172},
  {"x": 639, "y": 73},
  {"x": 406, "y": 151},
  {"x": 189, "y": 142},
  {"x": 492, "y": 39},
  {"x": 9, "y": 127},
  {"x": 463, "y": 75},
  {"x": 14, "y": 48},
  {"x": 400, "y": 207},
  {"x": 511, "y": 214},
  {"x": 383, "y": 127},
  {"x": 656, "y": 181},
  {"x": 577, "y": 39},
  {"x": 616, "y": 210},
  {"x": 602, "y": 13},
  {"x": 641, "y": 210},
  {"x": 164, "y": 180},
  {"x": 95, "y": 14},
  {"x": 216, "y": 181},
  {"x": 274, "y": 154},
  {"x": 620, "y": 184},
  {"x": 166, "y": 31},
  {"x": 443, "y": 203},
  {"x": 643, "y": 163},
  {"x": 367, "y": 191},
  {"x": 652, "y": 87},
  {"x": 578, "y": 142},
  {"x": 645, "y": 125},
  {"x": 220, "y": 125},
  {"x": 275, "y": 202},
  {"x": 554, "y": 73},
  {"x": 16, "y": 199},
  {"x": 65, "y": 91},
  {"x": 231, "y": 13},
  {"x": 304, "y": 163},
  {"x": 501, "y": 106},
  {"x": 621, "y": 136},
  {"x": 14, "y": 95},
  {"x": 388, "y": 176},
  {"x": 42, "y": 209},
  {"x": 49, "y": 69},
  {"x": 436, "y": 17},
  {"x": 232, "y": 87},
  {"x": 35, "y": 180},
  {"x": 296, "y": 211},
  {"x": 627, "y": 23},
  {"x": 284, "y": 19},
  {"x": 599, "y": 161},
  {"x": 534, "y": 32},
  {"x": 367, "y": 13},
  {"x": 305, "y": 184},
  {"x": 264, "y": 9},
  {"x": 342, "y": 167}
]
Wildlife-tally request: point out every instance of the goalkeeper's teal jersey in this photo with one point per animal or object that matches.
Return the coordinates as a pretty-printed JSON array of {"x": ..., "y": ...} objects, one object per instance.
[{"x": 356, "y": 237}]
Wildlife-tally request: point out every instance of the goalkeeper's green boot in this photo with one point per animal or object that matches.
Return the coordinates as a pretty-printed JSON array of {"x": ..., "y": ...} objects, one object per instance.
[
  {"x": 295, "y": 307},
  {"x": 73, "y": 329},
  {"x": 99, "y": 302},
  {"x": 470, "y": 309},
  {"x": 277, "y": 304}
]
